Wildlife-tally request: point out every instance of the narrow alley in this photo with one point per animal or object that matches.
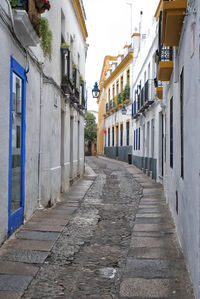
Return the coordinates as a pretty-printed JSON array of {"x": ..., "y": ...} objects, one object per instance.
[{"x": 110, "y": 236}]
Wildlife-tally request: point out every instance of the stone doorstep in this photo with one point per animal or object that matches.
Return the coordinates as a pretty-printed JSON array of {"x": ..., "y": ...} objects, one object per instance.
[
  {"x": 29, "y": 244},
  {"x": 152, "y": 288}
]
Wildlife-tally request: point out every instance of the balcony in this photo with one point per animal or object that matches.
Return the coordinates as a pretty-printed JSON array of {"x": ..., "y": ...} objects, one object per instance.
[
  {"x": 165, "y": 67},
  {"x": 145, "y": 96},
  {"x": 24, "y": 28},
  {"x": 172, "y": 21},
  {"x": 159, "y": 88}
]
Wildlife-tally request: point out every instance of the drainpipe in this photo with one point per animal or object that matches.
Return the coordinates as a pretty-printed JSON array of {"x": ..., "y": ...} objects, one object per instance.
[{"x": 39, "y": 204}]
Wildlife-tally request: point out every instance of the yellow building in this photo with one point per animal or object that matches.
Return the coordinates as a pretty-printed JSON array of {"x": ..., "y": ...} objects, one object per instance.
[
  {"x": 114, "y": 92},
  {"x": 102, "y": 103}
]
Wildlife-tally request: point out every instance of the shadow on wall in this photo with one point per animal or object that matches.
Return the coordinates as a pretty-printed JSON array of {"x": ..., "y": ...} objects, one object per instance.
[{"x": 90, "y": 148}]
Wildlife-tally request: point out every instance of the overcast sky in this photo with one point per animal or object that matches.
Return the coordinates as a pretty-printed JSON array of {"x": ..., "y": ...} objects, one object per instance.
[{"x": 109, "y": 29}]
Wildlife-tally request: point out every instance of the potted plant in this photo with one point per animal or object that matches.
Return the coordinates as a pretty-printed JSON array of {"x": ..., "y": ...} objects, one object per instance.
[
  {"x": 64, "y": 47},
  {"x": 81, "y": 80},
  {"x": 42, "y": 5}
]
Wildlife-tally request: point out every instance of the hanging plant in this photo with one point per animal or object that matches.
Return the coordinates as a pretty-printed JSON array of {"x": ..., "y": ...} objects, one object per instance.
[{"x": 46, "y": 37}]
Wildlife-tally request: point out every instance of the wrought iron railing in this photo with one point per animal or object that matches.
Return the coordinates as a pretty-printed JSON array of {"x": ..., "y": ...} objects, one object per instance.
[
  {"x": 111, "y": 104},
  {"x": 166, "y": 54}
]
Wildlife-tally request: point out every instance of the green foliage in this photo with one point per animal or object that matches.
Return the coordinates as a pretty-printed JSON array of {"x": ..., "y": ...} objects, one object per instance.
[
  {"x": 46, "y": 36},
  {"x": 13, "y": 3},
  {"x": 64, "y": 45},
  {"x": 90, "y": 131},
  {"x": 126, "y": 92},
  {"x": 120, "y": 98}
]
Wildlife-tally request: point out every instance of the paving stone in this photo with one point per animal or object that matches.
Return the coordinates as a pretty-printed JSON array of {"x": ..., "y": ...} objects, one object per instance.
[
  {"x": 30, "y": 245},
  {"x": 150, "y": 215},
  {"x": 150, "y": 220},
  {"x": 14, "y": 282},
  {"x": 152, "y": 227},
  {"x": 69, "y": 208},
  {"x": 150, "y": 242},
  {"x": 153, "y": 199},
  {"x": 153, "y": 234},
  {"x": 10, "y": 295},
  {"x": 153, "y": 268},
  {"x": 150, "y": 288},
  {"x": 24, "y": 256},
  {"x": 152, "y": 191},
  {"x": 45, "y": 228},
  {"x": 148, "y": 210},
  {"x": 155, "y": 253},
  {"x": 17, "y": 268},
  {"x": 37, "y": 235},
  {"x": 48, "y": 221},
  {"x": 150, "y": 203},
  {"x": 152, "y": 206}
]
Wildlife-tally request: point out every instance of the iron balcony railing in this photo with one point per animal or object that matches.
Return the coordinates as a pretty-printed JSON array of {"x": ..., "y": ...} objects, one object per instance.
[
  {"x": 145, "y": 95},
  {"x": 107, "y": 107},
  {"x": 165, "y": 54},
  {"x": 111, "y": 104}
]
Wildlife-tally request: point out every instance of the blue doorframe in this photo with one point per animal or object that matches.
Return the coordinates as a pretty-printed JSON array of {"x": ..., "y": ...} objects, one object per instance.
[{"x": 15, "y": 219}]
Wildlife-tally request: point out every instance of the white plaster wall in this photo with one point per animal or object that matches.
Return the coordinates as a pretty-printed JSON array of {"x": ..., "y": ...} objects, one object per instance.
[
  {"x": 32, "y": 140},
  {"x": 72, "y": 28},
  {"x": 187, "y": 219},
  {"x": 4, "y": 130},
  {"x": 81, "y": 145},
  {"x": 51, "y": 134}
]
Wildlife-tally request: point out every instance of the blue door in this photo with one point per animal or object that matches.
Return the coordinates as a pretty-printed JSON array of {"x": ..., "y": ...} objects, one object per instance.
[{"x": 16, "y": 146}]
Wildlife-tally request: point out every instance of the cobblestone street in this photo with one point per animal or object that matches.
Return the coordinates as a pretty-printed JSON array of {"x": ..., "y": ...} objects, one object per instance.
[{"x": 111, "y": 236}]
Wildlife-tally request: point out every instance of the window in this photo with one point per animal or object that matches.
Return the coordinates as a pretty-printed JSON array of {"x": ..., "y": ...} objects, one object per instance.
[
  {"x": 117, "y": 86},
  {"x": 128, "y": 77},
  {"x": 127, "y": 132},
  {"x": 134, "y": 140},
  {"x": 109, "y": 137},
  {"x": 113, "y": 136},
  {"x": 171, "y": 132},
  {"x": 121, "y": 135},
  {"x": 122, "y": 83},
  {"x": 136, "y": 146},
  {"x": 113, "y": 91},
  {"x": 109, "y": 95},
  {"x": 182, "y": 122},
  {"x": 139, "y": 139}
]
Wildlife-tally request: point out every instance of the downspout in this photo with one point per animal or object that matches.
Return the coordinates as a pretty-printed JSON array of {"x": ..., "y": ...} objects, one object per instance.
[{"x": 39, "y": 204}]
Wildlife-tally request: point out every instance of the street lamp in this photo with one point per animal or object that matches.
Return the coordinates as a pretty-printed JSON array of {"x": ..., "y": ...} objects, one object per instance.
[
  {"x": 124, "y": 111},
  {"x": 95, "y": 91}
]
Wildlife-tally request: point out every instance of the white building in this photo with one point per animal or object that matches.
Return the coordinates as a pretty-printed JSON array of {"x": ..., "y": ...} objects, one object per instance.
[
  {"x": 181, "y": 74},
  {"x": 164, "y": 127},
  {"x": 42, "y": 101}
]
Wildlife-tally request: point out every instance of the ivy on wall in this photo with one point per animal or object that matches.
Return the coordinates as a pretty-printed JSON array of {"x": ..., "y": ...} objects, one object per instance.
[{"x": 46, "y": 37}]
